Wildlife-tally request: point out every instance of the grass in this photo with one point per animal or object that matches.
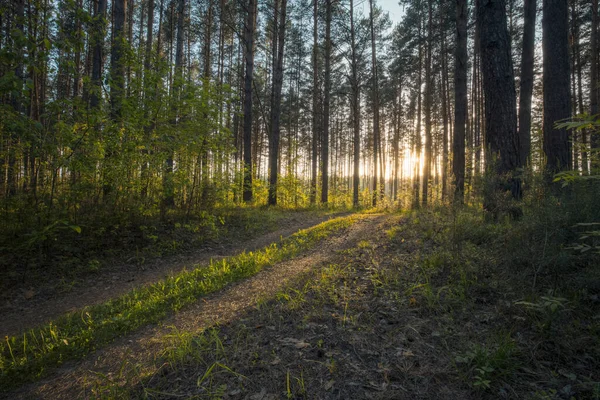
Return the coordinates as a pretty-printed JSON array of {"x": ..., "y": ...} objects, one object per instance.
[
  {"x": 442, "y": 304},
  {"x": 32, "y": 355}
]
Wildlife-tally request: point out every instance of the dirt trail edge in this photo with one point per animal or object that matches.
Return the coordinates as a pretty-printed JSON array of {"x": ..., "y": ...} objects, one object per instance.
[
  {"x": 25, "y": 313},
  {"x": 139, "y": 351}
]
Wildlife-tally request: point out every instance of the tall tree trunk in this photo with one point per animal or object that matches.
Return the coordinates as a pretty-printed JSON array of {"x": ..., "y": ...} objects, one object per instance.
[
  {"x": 117, "y": 69},
  {"x": 460, "y": 101},
  {"x": 206, "y": 76},
  {"x": 427, "y": 159},
  {"x": 594, "y": 87},
  {"x": 355, "y": 103},
  {"x": 97, "y": 53},
  {"x": 557, "y": 106},
  {"x": 444, "y": 76},
  {"x": 417, "y": 166},
  {"x": 376, "y": 131},
  {"x": 501, "y": 136},
  {"x": 279, "y": 40},
  {"x": 327, "y": 96},
  {"x": 168, "y": 184},
  {"x": 526, "y": 89},
  {"x": 315, "y": 106},
  {"x": 250, "y": 28}
]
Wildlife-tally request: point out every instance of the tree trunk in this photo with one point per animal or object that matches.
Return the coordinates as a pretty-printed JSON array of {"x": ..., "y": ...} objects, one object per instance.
[
  {"x": 555, "y": 44},
  {"x": 250, "y": 28},
  {"x": 594, "y": 87},
  {"x": 428, "y": 99},
  {"x": 117, "y": 70},
  {"x": 315, "y": 106},
  {"x": 355, "y": 103},
  {"x": 327, "y": 96},
  {"x": 501, "y": 136},
  {"x": 376, "y": 132},
  {"x": 526, "y": 89},
  {"x": 460, "y": 101},
  {"x": 279, "y": 40},
  {"x": 98, "y": 56}
]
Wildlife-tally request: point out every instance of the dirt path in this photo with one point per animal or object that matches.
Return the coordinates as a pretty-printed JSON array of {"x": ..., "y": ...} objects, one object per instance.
[
  {"x": 33, "y": 309},
  {"x": 139, "y": 352}
]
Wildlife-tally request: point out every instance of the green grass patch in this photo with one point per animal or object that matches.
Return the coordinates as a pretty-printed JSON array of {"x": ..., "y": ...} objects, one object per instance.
[{"x": 33, "y": 354}]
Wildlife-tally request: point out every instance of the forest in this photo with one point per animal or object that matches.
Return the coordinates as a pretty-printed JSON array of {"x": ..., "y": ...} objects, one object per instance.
[{"x": 301, "y": 199}]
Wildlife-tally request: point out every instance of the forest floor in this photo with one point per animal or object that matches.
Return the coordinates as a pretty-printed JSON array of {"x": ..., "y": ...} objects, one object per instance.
[
  {"x": 28, "y": 303},
  {"x": 420, "y": 305}
]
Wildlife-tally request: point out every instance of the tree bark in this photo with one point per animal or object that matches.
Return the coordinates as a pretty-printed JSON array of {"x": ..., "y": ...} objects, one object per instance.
[
  {"x": 376, "y": 131},
  {"x": 279, "y": 41},
  {"x": 355, "y": 104},
  {"x": 315, "y": 106},
  {"x": 594, "y": 87},
  {"x": 501, "y": 136},
  {"x": 428, "y": 99},
  {"x": 97, "y": 53},
  {"x": 117, "y": 70},
  {"x": 460, "y": 101},
  {"x": 326, "y": 100},
  {"x": 250, "y": 28},
  {"x": 557, "y": 99},
  {"x": 526, "y": 84}
]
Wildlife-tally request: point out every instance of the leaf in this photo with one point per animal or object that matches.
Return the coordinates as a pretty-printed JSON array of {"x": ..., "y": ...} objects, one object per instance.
[
  {"x": 76, "y": 228},
  {"x": 302, "y": 345}
]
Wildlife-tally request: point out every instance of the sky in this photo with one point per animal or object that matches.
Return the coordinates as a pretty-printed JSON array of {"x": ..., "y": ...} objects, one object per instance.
[{"x": 393, "y": 8}]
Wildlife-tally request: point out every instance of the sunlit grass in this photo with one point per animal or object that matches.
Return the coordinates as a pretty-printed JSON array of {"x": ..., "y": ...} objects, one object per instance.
[{"x": 33, "y": 354}]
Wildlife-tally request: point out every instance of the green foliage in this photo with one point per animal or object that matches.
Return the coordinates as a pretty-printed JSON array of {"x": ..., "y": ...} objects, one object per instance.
[{"x": 488, "y": 364}]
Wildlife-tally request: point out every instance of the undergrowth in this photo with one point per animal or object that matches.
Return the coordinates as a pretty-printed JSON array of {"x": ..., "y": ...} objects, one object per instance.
[
  {"x": 445, "y": 303},
  {"x": 31, "y": 355}
]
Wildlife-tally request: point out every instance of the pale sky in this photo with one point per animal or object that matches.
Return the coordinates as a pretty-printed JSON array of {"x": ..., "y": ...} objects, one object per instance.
[{"x": 393, "y": 8}]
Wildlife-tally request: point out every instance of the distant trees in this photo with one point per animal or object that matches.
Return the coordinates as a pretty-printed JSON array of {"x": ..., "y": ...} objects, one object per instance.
[{"x": 156, "y": 108}]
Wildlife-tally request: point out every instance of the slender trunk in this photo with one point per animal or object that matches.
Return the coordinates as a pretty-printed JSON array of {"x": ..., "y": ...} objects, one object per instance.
[
  {"x": 97, "y": 53},
  {"x": 428, "y": 98},
  {"x": 376, "y": 132},
  {"x": 117, "y": 70},
  {"x": 460, "y": 101},
  {"x": 526, "y": 89},
  {"x": 250, "y": 28},
  {"x": 315, "y": 106},
  {"x": 594, "y": 87},
  {"x": 276, "y": 101},
  {"x": 327, "y": 96},
  {"x": 355, "y": 111}
]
